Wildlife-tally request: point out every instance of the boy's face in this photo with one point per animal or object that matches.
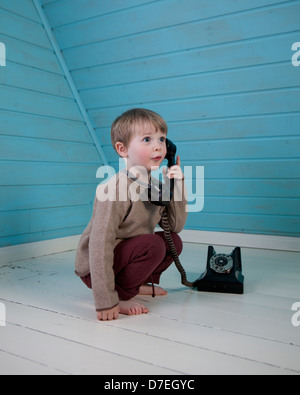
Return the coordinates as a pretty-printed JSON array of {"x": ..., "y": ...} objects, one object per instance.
[{"x": 147, "y": 147}]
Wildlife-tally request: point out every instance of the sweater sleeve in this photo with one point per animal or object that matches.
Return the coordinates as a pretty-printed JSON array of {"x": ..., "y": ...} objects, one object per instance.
[{"x": 107, "y": 217}]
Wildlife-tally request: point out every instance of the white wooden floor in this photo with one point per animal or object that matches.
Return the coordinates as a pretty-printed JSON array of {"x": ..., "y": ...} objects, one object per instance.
[{"x": 51, "y": 326}]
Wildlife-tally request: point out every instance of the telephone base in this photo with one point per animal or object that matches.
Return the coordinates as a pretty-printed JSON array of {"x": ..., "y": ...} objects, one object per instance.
[
  {"x": 222, "y": 287},
  {"x": 214, "y": 280}
]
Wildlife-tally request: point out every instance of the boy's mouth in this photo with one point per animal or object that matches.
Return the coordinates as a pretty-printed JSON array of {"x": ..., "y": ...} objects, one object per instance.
[{"x": 157, "y": 158}]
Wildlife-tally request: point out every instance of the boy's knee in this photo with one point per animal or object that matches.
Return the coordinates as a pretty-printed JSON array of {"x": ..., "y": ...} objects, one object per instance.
[
  {"x": 153, "y": 246},
  {"x": 176, "y": 240},
  {"x": 158, "y": 246}
]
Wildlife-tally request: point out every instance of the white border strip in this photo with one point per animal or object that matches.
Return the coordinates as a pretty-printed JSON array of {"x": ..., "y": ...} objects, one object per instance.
[{"x": 32, "y": 250}]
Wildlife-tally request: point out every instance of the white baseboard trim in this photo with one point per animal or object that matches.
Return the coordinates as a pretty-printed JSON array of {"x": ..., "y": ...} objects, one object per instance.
[
  {"x": 32, "y": 250},
  {"x": 266, "y": 242}
]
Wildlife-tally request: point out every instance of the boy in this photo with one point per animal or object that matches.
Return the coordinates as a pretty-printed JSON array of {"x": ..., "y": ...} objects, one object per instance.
[{"x": 119, "y": 253}]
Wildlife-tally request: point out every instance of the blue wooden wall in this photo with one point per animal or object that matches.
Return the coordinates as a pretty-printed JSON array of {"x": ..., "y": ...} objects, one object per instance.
[
  {"x": 220, "y": 73},
  {"x": 47, "y": 159}
]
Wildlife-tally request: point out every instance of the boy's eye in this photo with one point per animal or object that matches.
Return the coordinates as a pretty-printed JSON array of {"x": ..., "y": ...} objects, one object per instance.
[{"x": 148, "y": 139}]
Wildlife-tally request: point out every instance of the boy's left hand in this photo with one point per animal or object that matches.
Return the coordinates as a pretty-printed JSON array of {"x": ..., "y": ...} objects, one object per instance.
[{"x": 175, "y": 171}]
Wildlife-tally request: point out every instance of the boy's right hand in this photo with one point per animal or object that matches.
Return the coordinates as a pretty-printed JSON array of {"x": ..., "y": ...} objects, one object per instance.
[{"x": 108, "y": 315}]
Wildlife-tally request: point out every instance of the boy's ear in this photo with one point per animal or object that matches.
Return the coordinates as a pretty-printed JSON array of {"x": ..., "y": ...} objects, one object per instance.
[{"x": 121, "y": 149}]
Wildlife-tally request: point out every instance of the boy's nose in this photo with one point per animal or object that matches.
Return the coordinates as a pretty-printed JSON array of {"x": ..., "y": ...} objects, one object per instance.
[{"x": 156, "y": 147}]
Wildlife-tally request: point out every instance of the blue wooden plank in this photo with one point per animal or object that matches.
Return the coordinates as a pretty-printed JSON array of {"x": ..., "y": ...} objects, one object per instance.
[
  {"x": 255, "y": 169},
  {"x": 265, "y": 169},
  {"x": 26, "y": 101},
  {"x": 23, "y": 29},
  {"x": 257, "y": 188},
  {"x": 136, "y": 20},
  {"x": 12, "y": 223},
  {"x": 36, "y": 221},
  {"x": 27, "y": 125},
  {"x": 225, "y": 128},
  {"x": 234, "y": 105},
  {"x": 24, "y": 8},
  {"x": 241, "y": 127},
  {"x": 70, "y": 11},
  {"x": 270, "y": 225},
  {"x": 47, "y": 173},
  {"x": 58, "y": 218},
  {"x": 263, "y": 148},
  {"x": 30, "y": 55},
  {"x": 243, "y": 104},
  {"x": 229, "y": 29},
  {"x": 40, "y": 236},
  {"x": 24, "y": 77},
  {"x": 263, "y": 50},
  {"x": 47, "y": 2},
  {"x": 257, "y": 224},
  {"x": 257, "y": 206},
  {"x": 38, "y": 197},
  {"x": 23, "y": 149},
  {"x": 207, "y": 84}
]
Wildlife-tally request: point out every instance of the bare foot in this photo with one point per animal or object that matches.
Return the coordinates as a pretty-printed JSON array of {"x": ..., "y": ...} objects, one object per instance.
[
  {"x": 129, "y": 307},
  {"x": 147, "y": 290}
]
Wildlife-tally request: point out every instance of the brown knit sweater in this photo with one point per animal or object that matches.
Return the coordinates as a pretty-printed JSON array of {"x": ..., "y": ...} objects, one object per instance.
[{"x": 114, "y": 221}]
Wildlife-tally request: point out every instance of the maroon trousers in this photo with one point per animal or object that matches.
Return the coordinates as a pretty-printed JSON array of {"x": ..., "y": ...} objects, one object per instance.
[{"x": 140, "y": 260}]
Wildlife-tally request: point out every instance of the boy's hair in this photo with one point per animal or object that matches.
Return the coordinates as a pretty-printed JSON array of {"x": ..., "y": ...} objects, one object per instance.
[{"x": 125, "y": 125}]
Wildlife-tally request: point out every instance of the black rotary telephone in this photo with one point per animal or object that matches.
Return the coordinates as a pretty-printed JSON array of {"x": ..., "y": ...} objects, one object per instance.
[{"x": 223, "y": 273}]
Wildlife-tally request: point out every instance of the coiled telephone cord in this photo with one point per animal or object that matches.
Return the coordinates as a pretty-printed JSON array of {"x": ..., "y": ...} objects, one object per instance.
[{"x": 168, "y": 236}]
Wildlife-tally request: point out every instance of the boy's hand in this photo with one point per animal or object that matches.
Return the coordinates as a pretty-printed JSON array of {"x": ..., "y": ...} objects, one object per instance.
[
  {"x": 108, "y": 315},
  {"x": 175, "y": 171}
]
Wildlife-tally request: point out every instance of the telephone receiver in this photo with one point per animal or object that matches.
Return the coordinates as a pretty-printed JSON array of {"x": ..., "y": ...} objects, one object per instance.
[
  {"x": 171, "y": 152},
  {"x": 161, "y": 194}
]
